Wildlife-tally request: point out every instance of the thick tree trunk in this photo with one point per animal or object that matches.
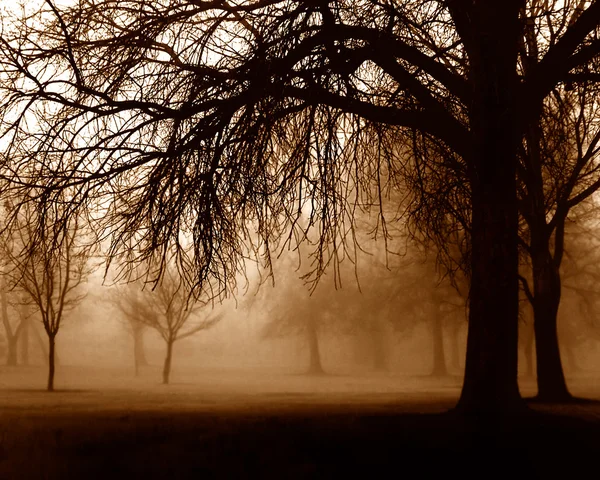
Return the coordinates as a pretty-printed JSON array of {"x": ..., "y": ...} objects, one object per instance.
[
  {"x": 315, "y": 367},
  {"x": 552, "y": 386},
  {"x": 439, "y": 358},
  {"x": 51, "y": 350},
  {"x": 490, "y": 383},
  {"x": 167, "y": 365}
]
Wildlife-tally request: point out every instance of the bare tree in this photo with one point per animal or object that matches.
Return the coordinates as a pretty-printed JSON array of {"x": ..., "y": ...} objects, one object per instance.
[
  {"x": 49, "y": 269},
  {"x": 136, "y": 329},
  {"x": 168, "y": 309},
  {"x": 13, "y": 329}
]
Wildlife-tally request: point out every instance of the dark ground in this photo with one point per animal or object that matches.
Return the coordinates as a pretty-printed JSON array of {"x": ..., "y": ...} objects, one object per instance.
[{"x": 191, "y": 432}]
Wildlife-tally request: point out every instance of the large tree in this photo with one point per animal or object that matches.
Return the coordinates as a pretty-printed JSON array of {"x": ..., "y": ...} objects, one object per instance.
[{"x": 222, "y": 119}]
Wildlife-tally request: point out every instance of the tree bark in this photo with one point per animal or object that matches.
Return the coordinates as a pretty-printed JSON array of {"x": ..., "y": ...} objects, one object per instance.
[
  {"x": 51, "y": 350},
  {"x": 552, "y": 386},
  {"x": 315, "y": 366},
  {"x": 167, "y": 365},
  {"x": 490, "y": 384},
  {"x": 439, "y": 358}
]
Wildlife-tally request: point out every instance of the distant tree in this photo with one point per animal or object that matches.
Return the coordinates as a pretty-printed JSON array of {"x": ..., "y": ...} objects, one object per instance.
[
  {"x": 167, "y": 308},
  {"x": 295, "y": 306},
  {"x": 558, "y": 172},
  {"x": 137, "y": 330},
  {"x": 49, "y": 266},
  {"x": 12, "y": 330},
  {"x": 579, "y": 324},
  {"x": 419, "y": 294},
  {"x": 292, "y": 309}
]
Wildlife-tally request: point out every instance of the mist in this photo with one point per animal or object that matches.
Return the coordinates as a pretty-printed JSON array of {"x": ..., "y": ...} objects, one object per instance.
[{"x": 271, "y": 332}]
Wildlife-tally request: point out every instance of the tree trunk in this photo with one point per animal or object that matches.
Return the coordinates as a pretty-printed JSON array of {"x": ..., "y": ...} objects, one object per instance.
[
  {"x": 439, "y": 358},
  {"x": 528, "y": 351},
  {"x": 167, "y": 365},
  {"x": 315, "y": 367},
  {"x": 25, "y": 341},
  {"x": 12, "y": 343},
  {"x": 455, "y": 350},
  {"x": 490, "y": 384},
  {"x": 11, "y": 338},
  {"x": 42, "y": 345},
  {"x": 139, "y": 356},
  {"x": 552, "y": 386},
  {"x": 51, "y": 349}
]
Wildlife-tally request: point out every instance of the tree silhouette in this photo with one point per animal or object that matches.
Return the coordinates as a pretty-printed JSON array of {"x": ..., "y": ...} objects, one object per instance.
[
  {"x": 226, "y": 120},
  {"x": 168, "y": 309},
  {"x": 136, "y": 329},
  {"x": 12, "y": 330},
  {"x": 48, "y": 268}
]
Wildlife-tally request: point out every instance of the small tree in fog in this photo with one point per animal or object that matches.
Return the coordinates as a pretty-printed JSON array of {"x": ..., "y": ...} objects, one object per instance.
[
  {"x": 297, "y": 313},
  {"x": 169, "y": 309},
  {"x": 48, "y": 265},
  {"x": 579, "y": 322},
  {"x": 299, "y": 308},
  {"x": 12, "y": 329},
  {"x": 136, "y": 329}
]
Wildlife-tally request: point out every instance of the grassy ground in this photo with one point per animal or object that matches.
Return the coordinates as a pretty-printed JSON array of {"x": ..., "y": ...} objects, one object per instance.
[{"x": 223, "y": 425}]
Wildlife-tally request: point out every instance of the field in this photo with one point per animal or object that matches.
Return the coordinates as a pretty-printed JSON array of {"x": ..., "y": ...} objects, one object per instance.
[{"x": 236, "y": 424}]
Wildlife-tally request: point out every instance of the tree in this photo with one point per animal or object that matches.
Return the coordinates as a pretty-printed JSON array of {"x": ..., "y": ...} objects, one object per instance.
[
  {"x": 49, "y": 268},
  {"x": 12, "y": 331},
  {"x": 184, "y": 111},
  {"x": 292, "y": 307},
  {"x": 557, "y": 173},
  {"x": 579, "y": 327},
  {"x": 168, "y": 309},
  {"x": 136, "y": 329},
  {"x": 557, "y": 170}
]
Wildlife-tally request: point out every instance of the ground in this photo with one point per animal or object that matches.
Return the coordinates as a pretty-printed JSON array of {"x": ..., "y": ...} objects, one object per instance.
[{"x": 224, "y": 424}]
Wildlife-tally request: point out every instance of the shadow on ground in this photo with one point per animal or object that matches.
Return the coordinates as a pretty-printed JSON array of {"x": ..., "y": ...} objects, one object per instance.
[{"x": 321, "y": 442}]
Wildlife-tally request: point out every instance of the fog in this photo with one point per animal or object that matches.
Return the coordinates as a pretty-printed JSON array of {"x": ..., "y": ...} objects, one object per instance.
[{"x": 388, "y": 331}]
